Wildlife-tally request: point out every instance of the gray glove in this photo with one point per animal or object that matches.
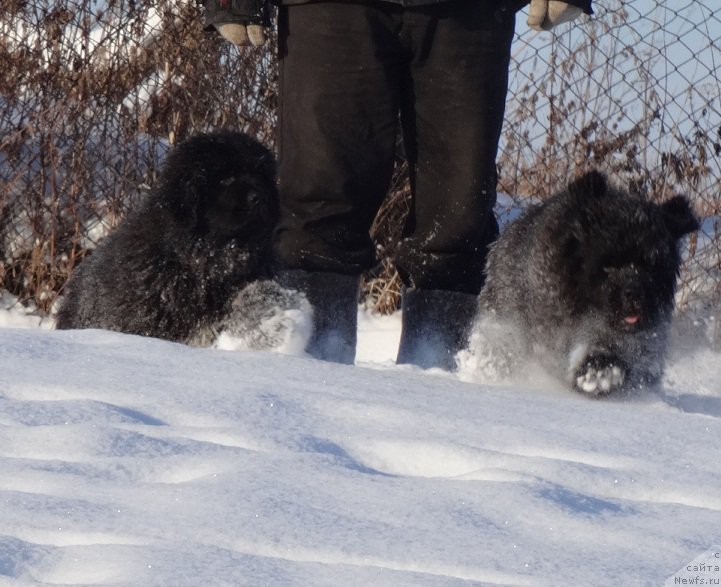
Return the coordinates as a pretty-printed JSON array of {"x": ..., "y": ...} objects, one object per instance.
[
  {"x": 543, "y": 15},
  {"x": 242, "y": 22}
]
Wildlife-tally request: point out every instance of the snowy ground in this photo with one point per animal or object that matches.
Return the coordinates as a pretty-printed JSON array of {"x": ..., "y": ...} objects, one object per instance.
[{"x": 131, "y": 461}]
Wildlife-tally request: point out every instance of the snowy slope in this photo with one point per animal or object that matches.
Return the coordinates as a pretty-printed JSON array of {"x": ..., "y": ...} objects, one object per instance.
[{"x": 131, "y": 461}]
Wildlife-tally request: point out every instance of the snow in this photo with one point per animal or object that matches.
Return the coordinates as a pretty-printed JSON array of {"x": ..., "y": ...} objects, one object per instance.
[{"x": 133, "y": 461}]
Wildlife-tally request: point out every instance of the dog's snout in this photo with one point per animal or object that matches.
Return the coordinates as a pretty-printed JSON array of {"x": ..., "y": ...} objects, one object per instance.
[
  {"x": 632, "y": 307},
  {"x": 632, "y": 293}
]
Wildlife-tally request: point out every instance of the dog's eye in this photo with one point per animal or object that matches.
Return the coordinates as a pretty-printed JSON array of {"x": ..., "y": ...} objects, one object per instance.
[
  {"x": 253, "y": 198},
  {"x": 609, "y": 265},
  {"x": 609, "y": 271}
]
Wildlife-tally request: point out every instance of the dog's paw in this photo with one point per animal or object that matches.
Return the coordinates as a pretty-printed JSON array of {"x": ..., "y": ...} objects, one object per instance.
[
  {"x": 266, "y": 316},
  {"x": 600, "y": 374},
  {"x": 494, "y": 354}
]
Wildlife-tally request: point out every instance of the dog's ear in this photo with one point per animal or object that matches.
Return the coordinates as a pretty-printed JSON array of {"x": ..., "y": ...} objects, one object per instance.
[
  {"x": 586, "y": 193},
  {"x": 678, "y": 216},
  {"x": 184, "y": 178},
  {"x": 184, "y": 195},
  {"x": 591, "y": 184}
]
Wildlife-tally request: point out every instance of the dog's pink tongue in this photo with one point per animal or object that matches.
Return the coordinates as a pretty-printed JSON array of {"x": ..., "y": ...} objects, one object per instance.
[{"x": 632, "y": 319}]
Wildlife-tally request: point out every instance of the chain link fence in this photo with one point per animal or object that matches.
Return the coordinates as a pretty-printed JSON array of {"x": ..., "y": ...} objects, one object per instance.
[{"x": 92, "y": 94}]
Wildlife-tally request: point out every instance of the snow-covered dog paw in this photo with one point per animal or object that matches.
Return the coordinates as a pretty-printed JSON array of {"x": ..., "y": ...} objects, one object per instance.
[
  {"x": 263, "y": 316},
  {"x": 494, "y": 352},
  {"x": 600, "y": 375}
]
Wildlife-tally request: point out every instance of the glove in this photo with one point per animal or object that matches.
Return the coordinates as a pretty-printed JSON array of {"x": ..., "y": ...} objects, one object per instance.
[
  {"x": 242, "y": 35},
  {"x": 242, "y": 22},
  {"x": 543, "y": 15}
]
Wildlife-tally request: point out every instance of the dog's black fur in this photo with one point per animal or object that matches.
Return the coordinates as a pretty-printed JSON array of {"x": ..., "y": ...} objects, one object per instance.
[
  {"x": 587, "y": 281},
  {"x": 175, "y": 263}
]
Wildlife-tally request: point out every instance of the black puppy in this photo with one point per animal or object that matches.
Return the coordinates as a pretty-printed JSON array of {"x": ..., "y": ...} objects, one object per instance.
[
  {"x": 176, "y": 262},
  {"x": 585, "y": 283}
]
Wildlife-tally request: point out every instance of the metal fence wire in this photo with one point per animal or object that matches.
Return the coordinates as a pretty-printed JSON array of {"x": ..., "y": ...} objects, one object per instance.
[{"x": 93, "y": 93}]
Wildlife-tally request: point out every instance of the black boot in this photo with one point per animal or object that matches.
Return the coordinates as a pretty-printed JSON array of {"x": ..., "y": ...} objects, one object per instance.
[
  {"x": 334, "y": 299},
  {"x": 436, "y": 325}
]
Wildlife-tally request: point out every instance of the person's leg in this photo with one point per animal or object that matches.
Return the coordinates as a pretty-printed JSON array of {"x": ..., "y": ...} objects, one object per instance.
[
  {"x": 339, "y": 101},
  {"x": 452, "y": 126},
  {"x": 436, "y": 324}
]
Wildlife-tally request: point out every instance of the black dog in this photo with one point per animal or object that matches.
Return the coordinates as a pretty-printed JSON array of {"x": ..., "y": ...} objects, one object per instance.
[
  {"x": 177, "y": 261},
  {"x": 585, "y": 283}
]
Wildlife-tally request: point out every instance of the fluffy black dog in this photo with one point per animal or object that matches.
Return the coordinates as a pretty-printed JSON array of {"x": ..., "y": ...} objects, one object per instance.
[
  {"x": 176, "y": 263},
  {"x": 585, "y": 283}
]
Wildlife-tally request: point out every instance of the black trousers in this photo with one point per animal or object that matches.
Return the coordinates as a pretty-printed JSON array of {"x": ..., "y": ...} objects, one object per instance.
[{"x": 350, "y": 74}]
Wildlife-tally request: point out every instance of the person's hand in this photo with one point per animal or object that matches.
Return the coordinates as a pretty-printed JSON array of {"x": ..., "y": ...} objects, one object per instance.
[
  {"x": 242, "y": 35},
  {"x": 242, "y": 22},
  {"x": 543, "y": 15}
]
